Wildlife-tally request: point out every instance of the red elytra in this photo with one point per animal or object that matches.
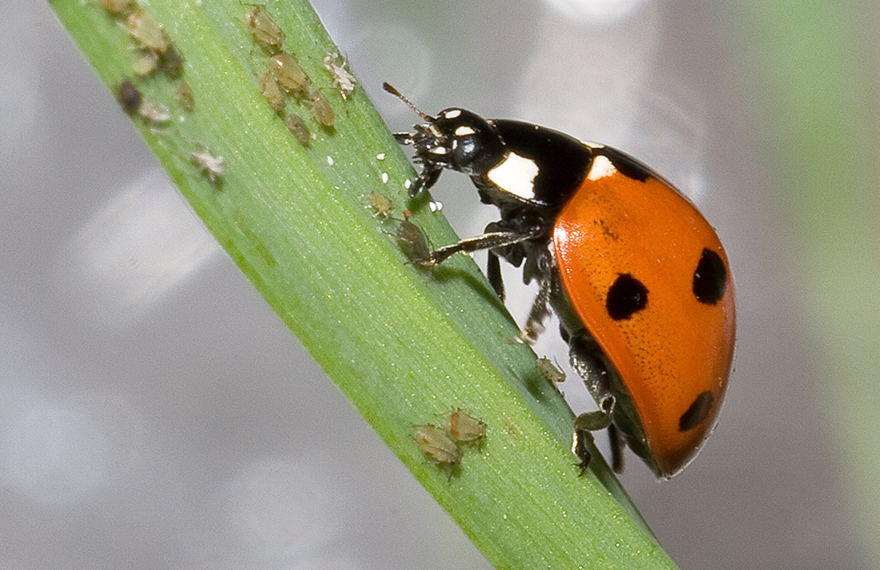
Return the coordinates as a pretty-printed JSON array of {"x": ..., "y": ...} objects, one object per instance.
[{"x": 674, "y": 355}]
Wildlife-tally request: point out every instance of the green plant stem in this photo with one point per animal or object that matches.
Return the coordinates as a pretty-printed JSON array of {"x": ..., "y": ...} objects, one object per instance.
[{"x": 404, "y": 345}]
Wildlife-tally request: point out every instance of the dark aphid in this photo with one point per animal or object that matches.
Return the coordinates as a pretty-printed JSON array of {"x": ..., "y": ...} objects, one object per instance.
[
  {"x": 299, "y": 129},
  {"x": 412, "y": 241},
  {"x": 171, "y": 62},
  {"x": 129, "y": 96}
]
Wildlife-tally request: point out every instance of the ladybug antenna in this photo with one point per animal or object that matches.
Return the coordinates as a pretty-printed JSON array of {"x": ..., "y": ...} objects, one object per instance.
[{"x": 427, "y": 118}]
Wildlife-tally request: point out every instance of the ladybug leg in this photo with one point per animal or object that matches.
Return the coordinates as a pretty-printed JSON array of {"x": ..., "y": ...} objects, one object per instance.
[
  {"x": 431, "y": 169},
  {"x": 493, "y": 273},
  {"x": 405, "y": 138},
  {"x": 584, "y": 425},
  {"x": 489, "y": 240},
  {"x": 589, "y": 366},
  {"x": 427, "y": 177},
  {"x": 540, "y": 310},
  {"x": 617, "y": 445},
  {"x": 580, "y": 444}
]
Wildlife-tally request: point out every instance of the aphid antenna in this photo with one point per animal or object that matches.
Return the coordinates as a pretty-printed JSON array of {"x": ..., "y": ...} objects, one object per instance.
[{"x": 387, "y": 87}]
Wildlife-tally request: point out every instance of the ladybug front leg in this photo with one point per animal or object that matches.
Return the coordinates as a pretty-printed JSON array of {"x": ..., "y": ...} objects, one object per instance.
[
  {"x": 491, "y": 240},
  {"x": 427, "y": 177}
]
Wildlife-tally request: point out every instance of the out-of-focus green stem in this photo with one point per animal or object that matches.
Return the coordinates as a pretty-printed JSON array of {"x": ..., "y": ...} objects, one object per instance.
[{"x": 819, "y": 61}]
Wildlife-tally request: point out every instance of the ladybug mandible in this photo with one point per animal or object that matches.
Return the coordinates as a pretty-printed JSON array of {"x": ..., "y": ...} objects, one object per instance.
[{"x": 639, "y": 279}]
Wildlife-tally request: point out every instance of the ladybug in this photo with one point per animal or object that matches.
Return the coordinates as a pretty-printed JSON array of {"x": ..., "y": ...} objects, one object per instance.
[{"x": 638, "y": 278}]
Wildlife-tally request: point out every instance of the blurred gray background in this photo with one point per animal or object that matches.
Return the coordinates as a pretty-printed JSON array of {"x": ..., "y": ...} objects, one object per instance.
[{"x": 154, "y": 413}]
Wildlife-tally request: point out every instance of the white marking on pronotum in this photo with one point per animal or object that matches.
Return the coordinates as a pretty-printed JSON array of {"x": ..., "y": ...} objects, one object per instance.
[
  {"x": 516, "y": 175},
  {"x": 601, "y": 168},
  {"x": 464, "y": 130},
  {"x": 452, "y": 114}
]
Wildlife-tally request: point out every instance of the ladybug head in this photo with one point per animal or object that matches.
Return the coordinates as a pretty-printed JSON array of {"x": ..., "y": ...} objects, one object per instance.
[
  {"x": 471, "y": 143},
  {"x": 456, "y": 139}
]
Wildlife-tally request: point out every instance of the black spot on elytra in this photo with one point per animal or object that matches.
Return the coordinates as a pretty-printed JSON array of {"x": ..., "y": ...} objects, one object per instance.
[
  {"x": 625, "y": 297},
  {"x": 710, "y": 278},
  {"x": 698, "y": 411}
]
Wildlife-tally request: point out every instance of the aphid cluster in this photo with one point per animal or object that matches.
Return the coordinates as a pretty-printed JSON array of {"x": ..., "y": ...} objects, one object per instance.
[
  {"x": 155, "y": 52},
  {"x": 155, "y": 49},
  {"x": 132, "y": 100},
  {"x": 445, "y": 447},
  {"x": 284, "y": 76}
]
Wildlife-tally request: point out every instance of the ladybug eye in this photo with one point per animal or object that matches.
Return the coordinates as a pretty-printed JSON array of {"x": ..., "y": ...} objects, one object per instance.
[
  {"x": 465, "y": 145},
  {"x": 698, "y": 411},
  {"x": 625, "y": 297},
  {"x": 710, "y": 278}
]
